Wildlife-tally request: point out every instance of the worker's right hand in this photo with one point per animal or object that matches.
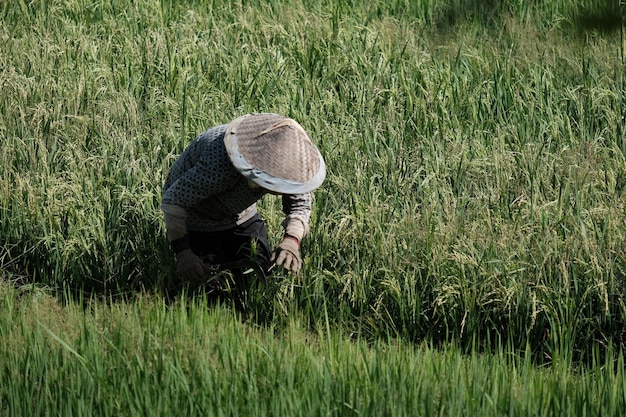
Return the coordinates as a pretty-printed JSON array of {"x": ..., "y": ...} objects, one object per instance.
[{"x": 189, "y": 266}]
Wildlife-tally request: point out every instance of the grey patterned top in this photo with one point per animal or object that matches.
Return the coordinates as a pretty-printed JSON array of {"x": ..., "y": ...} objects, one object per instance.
[{"x": 214, "y": 194}]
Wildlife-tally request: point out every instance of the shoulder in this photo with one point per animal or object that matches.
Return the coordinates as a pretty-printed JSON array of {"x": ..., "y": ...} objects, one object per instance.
[
  {"x": 209, "y": 144},
  {"x": 212, "y": 134}
]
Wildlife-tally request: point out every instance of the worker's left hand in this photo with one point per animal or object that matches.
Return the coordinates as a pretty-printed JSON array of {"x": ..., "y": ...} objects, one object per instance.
[{"x": 287, "y": 254}]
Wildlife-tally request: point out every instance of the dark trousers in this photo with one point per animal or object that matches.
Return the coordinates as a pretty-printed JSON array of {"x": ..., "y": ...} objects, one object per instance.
[{"x": 246, "y": 242}]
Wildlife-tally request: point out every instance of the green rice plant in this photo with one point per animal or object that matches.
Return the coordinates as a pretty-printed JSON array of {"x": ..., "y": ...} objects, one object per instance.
[
  {"x": 145, "y": 356},
  {"x": 475, "y": 156}
]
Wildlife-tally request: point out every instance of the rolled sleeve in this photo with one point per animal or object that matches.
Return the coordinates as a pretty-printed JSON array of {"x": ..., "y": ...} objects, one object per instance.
[{"x": 297, "y": 209}]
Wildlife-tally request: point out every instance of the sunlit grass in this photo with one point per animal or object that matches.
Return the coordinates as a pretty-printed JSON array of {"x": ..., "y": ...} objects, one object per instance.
[
  {"x": 475, "y": 153},
  {"x": 151, "y": 358}
]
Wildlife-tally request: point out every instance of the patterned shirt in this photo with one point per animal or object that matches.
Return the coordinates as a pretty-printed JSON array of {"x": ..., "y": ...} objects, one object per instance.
[{"x": 214, "y": 194}]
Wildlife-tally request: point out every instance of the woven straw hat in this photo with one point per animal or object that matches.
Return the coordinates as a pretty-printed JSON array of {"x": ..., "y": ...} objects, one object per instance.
[{"x": 274, "y": 152}]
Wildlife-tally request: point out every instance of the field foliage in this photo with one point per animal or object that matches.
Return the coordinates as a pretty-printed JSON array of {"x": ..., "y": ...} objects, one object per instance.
[
  {"x": 475, "y": 152},
  {"x": 466, "y": 254},
  {"x": 153, "y": 359}
]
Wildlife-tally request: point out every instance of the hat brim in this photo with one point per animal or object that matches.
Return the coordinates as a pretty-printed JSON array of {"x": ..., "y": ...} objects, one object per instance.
[{"x": 264, "y": 179}]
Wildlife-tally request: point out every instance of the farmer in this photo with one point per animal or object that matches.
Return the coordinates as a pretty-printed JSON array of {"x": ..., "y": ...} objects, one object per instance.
[{"x": 210, "y": 194}]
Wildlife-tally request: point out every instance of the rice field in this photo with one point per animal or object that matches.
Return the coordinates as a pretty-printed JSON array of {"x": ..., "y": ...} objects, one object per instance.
[
  {"x": 153, "y": 359},
  {"x": 466, "y": 254}
]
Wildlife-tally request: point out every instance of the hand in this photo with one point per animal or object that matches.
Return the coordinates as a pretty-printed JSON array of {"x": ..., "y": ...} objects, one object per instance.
[
  {"x": 287, "y": 254},
  {"x": 190, "y": 266}
]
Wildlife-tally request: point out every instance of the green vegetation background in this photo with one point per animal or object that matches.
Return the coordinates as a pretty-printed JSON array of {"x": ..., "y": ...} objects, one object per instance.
[{"x": 475, "y": 152}]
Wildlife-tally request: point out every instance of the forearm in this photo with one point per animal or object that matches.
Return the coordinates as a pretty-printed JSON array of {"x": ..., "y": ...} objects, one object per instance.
[
  {"x": 297, "y": 209},
  {"x": 296, "y": 226},
  {"x": 175, "y": 218}
]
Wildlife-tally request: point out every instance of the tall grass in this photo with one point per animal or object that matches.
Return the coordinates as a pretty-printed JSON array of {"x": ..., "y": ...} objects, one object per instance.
[
  {"x": 150, "y": 358},
  {"x": 475, "y": 153}
]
